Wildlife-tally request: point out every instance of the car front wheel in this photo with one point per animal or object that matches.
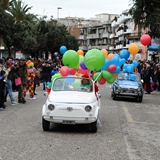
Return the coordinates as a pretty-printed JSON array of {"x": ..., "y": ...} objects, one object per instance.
[
  {"x": 140, "y": 98},
  {"x": 94, "y": 127},
  {"x": 45, "y": 125},
  {"x": 114, "y": 96}
]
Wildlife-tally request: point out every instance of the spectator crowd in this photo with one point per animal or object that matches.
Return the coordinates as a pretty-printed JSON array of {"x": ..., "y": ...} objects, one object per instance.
[{"x": 33, "y": 72}]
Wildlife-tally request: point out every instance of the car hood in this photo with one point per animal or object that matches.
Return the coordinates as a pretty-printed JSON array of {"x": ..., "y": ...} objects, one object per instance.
[
  {"x": 72, "y": 97},
  {"x": 128, "y": 84}
]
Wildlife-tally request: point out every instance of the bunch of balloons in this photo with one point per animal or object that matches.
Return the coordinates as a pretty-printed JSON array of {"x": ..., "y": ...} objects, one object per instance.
[
  {"x": 98, "y": 64},
  {"x": 130, "y": 67}
]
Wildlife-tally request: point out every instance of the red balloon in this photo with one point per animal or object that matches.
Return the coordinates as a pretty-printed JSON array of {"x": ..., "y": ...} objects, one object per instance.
[
  {"x": 102, "y": 81},
  {"x": 64, "y": 71},
  {"x": 111, "y": 68},
  {"x": 72, "y": 71},
  {"x": 80, "y": 70},
  {"x": 145, "y": 39}
]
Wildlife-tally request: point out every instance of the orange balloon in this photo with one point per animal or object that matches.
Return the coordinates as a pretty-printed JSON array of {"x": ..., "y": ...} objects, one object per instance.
[
  {"x": 80, "y": 52},
  {"x": 110, "y": 56},
  {"x": 133, "y": 48},
  {"x": 105, "y": 52},
  {"x": 114, "y": 75}
]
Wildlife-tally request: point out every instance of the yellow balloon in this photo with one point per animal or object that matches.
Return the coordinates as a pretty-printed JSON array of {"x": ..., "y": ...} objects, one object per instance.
[
  {"x": 80, "y": 52},
  {"x": 105, "y": 52},
  {"x": 110, "y": 56},
  {"x": 133, "y": 48}
]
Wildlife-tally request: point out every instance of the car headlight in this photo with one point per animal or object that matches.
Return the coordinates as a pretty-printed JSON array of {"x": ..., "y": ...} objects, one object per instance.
[
  {"x": 139, "y": 89},
  {"x": 88, "y": 108},
  {"x": 51, "y": 107}
]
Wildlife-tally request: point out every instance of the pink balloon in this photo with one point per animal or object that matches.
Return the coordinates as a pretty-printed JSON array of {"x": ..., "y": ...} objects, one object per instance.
[
  {"x": 72, "y": 71},
  {"x": 64, "y": 71},
  {"x": 102, "y": 81},
  {"x": 111, "y": 68},
  {"x": 145, "y": 39}
]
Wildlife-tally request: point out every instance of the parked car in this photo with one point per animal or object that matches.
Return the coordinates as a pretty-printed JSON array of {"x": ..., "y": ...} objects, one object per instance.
[
  {"x": 127, "y": 85},
  {"x": 72, "y": 100}
]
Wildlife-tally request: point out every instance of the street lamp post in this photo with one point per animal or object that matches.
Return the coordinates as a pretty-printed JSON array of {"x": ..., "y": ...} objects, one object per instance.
[{"x": 58, "y": 12}]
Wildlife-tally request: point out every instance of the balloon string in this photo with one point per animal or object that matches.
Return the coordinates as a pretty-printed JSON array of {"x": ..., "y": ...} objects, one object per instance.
[{"x": 98, "y": 77}]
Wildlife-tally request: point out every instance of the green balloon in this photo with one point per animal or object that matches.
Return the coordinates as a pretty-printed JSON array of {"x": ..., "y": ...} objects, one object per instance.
[
  {"x": 81, "y": 58},
  {"x": 70, "y": 59},
  {"x": 97, "y": 76},
  {"x": 111, "y": 80},
  {"x": 94, "y": 59},
  {"x": 57, "y": 75},
  {"x": 107, "y": 75}
]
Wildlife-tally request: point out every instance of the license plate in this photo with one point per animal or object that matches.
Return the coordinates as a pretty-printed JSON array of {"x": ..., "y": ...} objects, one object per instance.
[{"x": 69, "y": 122}]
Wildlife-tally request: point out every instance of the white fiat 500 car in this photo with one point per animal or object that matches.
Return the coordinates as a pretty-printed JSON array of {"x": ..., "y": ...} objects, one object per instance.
[{"x": 72, "y": 100}]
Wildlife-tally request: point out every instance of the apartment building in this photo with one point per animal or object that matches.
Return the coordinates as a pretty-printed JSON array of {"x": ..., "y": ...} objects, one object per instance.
[{"x": 113, "y": 33}]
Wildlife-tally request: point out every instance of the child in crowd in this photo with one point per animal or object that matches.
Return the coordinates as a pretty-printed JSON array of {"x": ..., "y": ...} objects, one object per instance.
[{"x": 2, "y": 89}]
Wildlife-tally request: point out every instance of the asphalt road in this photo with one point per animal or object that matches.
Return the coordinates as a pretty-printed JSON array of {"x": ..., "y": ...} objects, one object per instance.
[{"x": 127, "y": 130}]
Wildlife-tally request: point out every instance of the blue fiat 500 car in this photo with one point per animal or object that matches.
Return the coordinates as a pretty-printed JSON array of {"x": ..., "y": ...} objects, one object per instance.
[{"x": 127, "y": 85}]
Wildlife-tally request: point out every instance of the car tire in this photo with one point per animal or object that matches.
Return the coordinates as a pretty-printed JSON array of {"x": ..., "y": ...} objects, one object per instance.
[
  {"x": 114, "y": 96},
  {"x": 45, "y": 125},
  {"x": 94, "y": 127},
  {"x": 140, "y": 98}
]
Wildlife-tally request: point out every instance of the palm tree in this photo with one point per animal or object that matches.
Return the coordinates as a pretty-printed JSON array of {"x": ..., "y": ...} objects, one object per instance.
[{"x": 18, "y": 9}]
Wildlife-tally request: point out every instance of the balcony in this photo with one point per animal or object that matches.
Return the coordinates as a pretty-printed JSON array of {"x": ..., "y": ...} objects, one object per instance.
[
  {"x": 111, "y": 48},
  {"x": 105, "y": 35},
  {"x": 84, "y": 48},
  {"x": 123, "y": 18},
  {"x": 128, "y": 31},
  {"x": 111, "y": 36},
  {"x": 105, "y": 47},
  {"x": 134, "y": 35},
  {"x": 126, "y": 46},
  {"x": 82, "y": 37},
  {"x": 92, "y": 36},
  {"x": 114, "y": 24}
]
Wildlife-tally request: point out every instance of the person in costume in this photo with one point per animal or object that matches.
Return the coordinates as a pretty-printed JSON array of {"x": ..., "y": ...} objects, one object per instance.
[{"x": 30, "y": 80}]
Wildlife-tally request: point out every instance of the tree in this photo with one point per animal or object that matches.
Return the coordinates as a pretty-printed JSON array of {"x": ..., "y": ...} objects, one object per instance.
[
  {"x": 146, "y": 14},
  {"x": 18, "y": 9}
]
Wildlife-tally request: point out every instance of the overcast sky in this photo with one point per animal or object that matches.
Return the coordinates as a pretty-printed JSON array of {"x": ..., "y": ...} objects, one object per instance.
[{"x": 76, "y": 8}]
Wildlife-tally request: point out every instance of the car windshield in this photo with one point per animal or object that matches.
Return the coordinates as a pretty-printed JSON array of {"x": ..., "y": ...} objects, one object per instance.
[
  {"x": 72, "y": 84},
  {"x": 129, "y": 76}
]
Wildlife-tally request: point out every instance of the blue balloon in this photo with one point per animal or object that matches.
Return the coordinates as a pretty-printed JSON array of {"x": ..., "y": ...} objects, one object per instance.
[
  {"x": 124, "y": 54},
  {"x": 63, "y": 49},
  {"x": 106, "y": 64},
  {"x": 116, "y": 55},
  {"x": 114, "y": 60},
  {"x": 132, "y": 77},
  {"x": 121, "y": 61},
  {"x": 130, "y": 68},
  {"x": 53, "y": 72},
  {"x": 125, "y": 66},
  {"x": 69, "y": 79},
  {"x": 135, "y": 63}
]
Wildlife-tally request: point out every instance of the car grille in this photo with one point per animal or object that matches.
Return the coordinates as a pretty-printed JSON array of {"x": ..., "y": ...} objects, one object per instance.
[{"x": 129, "y": 90}]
